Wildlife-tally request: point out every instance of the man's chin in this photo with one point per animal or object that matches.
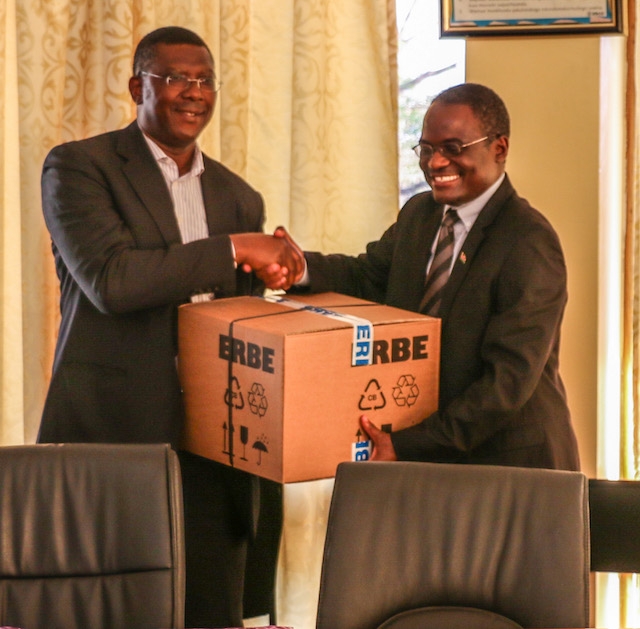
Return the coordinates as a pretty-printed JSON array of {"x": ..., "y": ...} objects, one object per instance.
[
  {"x": 444, "y": 193},
  {"x": 444, "y": 198}
]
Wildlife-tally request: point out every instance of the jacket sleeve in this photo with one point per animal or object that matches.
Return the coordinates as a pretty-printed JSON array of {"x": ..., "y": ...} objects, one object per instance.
[
  {"x": 113, "y": 245},
  {"x": 364, "y": 276}
]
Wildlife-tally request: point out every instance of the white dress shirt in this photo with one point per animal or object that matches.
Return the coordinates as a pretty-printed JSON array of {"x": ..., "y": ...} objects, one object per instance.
[
  {"x": 186, "y": 193},
  {"x": 468, "y": 213}
]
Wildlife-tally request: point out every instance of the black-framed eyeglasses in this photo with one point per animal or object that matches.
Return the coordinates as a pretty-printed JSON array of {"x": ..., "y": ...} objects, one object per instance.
[
  {"x": 448, "y": 149},
  {"x": 182, "y": 82}
]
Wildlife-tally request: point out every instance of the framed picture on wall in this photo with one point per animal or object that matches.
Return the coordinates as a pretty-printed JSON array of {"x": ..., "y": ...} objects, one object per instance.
[{"x": 464, "y": 18}]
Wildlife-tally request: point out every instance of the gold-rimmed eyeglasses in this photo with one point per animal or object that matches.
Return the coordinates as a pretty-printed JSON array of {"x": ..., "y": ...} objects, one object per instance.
[
  {"x": 448, "y": 149},
  {"x": 182, "y": 82}
]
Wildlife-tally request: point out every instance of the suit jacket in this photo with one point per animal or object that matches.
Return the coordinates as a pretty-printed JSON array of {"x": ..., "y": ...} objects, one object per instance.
[
  {"x": 501, "y": 398},
  {"x": 123, "y": 273}
]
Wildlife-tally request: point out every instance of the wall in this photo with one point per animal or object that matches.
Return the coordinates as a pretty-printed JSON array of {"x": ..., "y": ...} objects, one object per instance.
[{"x": 551, "y": 88}]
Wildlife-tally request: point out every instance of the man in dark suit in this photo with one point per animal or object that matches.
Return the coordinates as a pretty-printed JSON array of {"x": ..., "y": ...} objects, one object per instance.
[
  {"x": 142, "y": 221},
  {"x": 502, "y": 400}
]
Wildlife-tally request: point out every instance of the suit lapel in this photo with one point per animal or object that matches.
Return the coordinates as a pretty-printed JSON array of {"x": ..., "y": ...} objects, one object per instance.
[
  {"x": 145, "y": 178},
  {"x": 218, "y": 199},
  {"x": 472, "y": 243},
  {"x": 432, "y": 227},
  {"x": 426, "y": 235},
  {"x": 414, "y": 249}
]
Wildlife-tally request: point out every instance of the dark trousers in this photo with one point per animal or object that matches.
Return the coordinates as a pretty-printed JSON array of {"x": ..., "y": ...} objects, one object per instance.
[
  {"x": 218, "y": 514},
  {"x": 262, "y": 559}
]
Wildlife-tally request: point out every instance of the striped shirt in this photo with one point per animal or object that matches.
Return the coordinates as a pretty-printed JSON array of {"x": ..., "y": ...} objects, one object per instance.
[{"x": 186, "y": 193}]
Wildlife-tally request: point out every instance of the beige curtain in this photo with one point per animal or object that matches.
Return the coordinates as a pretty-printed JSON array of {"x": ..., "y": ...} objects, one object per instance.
[
  {"x": 631, "y": 293},
  {"x": 307, "y": 114},
  {"x": 629, "y": 585},
  {"x": 11, "y": 282}
]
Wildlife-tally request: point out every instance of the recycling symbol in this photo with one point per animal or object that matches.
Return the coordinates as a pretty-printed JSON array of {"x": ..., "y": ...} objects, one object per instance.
[
  {"x": 373, "y": 397},
  {"x": 257, "y": 400},
  {"x": 406, "y": 391},
  {"x": 233, "y": 396}
]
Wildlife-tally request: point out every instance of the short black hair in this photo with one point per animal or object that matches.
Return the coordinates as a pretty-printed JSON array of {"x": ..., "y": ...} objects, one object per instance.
[
  {"x": 486, "y": 105},
  {"x": 146, "y": 48}
]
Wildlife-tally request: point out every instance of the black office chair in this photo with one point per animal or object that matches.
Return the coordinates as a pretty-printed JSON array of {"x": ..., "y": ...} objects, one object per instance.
[
  {"x": 421, "y": 545},
  {"x": 91, "y": 537},
  {"x": 614, "y": 510}
]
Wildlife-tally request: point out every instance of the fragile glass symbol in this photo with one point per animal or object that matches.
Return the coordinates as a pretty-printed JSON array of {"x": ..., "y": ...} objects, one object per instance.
[{"x": 244, "y": 439}]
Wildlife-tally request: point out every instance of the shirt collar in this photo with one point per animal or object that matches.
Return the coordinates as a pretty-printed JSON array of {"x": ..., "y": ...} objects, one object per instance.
[
  {"x": 468, "y": 212},
  {"x": 197, "y": 166}
]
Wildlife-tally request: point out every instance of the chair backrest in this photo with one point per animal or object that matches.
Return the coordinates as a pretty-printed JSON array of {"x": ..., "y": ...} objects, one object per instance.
[
  {"x": 614, "y": 510},
  {"x": 405, "y": 536},
  {"x": 91, "y": 537}
]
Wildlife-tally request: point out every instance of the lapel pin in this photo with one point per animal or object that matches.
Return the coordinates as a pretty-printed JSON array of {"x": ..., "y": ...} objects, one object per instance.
[{"x": 463, "y": 257}]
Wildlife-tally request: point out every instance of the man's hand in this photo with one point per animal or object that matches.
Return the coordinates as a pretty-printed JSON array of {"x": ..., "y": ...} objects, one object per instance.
[
  {"x": 276, "y": 260},
  {"x": 281, "y": 232},
  {"x": 382, "y": 447},
  {"x": 272, "y": 275}
]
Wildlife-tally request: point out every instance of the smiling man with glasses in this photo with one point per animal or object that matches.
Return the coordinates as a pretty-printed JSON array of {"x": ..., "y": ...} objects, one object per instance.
[
  {"x": 141, "y": 222},
  {"x": 478, "y": 256}
]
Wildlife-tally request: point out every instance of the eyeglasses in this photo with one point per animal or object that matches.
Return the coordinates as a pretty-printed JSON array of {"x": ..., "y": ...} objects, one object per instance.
[
  {"x": 182, "y": 82},
  {"x": 449, "y": 149}
]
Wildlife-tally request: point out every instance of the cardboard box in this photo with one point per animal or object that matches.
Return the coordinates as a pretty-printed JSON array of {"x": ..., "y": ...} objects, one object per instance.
[{"x": 276, "y": 387}]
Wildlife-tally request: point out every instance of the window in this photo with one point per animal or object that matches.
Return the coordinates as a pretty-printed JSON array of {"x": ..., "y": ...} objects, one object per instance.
[{"x": 427, "y": 65}]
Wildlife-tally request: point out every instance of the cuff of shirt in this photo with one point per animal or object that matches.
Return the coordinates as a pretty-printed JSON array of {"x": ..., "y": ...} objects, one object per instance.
[{"x": 233, "y": 254}]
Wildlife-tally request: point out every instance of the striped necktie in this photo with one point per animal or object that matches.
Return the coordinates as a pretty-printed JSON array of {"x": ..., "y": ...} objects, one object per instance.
[{"x": 440, "y": 267}]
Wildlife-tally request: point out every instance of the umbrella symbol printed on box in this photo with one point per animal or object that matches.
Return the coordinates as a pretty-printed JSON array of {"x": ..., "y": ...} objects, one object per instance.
[{"x": 260, "y": 445}]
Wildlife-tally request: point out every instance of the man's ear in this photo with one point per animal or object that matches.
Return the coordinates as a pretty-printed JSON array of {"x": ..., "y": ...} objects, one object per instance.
[
  {"x": 135, "y": 89},
  {"x": 501, "y": 147}
]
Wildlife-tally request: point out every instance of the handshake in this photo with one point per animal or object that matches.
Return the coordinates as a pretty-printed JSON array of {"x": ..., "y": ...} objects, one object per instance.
[{"x": 277, "y": 260}]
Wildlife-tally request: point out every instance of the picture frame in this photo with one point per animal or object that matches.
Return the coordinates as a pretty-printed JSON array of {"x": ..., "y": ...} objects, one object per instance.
[{"x": 469, "y": 18}]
